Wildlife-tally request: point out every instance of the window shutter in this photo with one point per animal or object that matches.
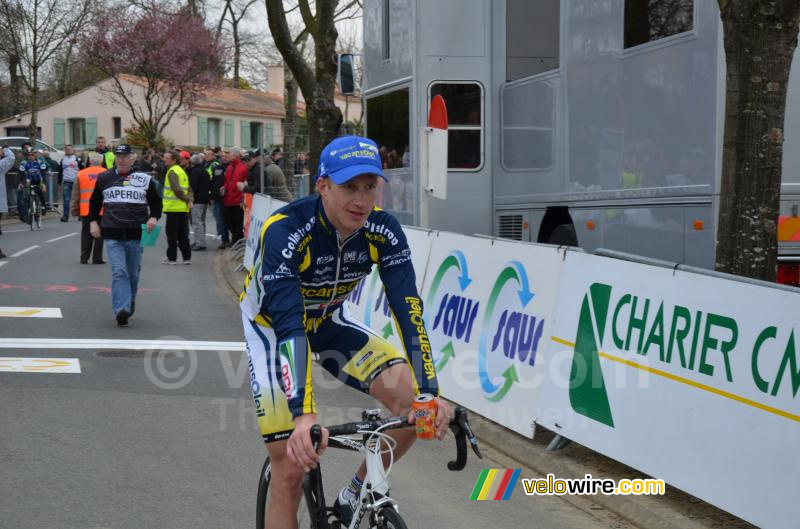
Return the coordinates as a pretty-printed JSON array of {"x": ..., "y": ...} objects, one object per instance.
[
  {"x": 269, "y": 139},
  {"x": 202, "y": 131},
  {"x": 245, "y": 137},
  {"x": 58, "y": 133},
  {"x": 91, "y": 131},
  {"x": 228, "y": 133}
]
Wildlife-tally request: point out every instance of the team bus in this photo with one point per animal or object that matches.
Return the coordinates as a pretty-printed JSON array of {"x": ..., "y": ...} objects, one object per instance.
[{"x": 583, "y": 122}]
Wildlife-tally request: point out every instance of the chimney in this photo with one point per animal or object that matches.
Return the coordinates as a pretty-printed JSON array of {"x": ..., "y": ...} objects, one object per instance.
[{"x": 275, "y": 80}]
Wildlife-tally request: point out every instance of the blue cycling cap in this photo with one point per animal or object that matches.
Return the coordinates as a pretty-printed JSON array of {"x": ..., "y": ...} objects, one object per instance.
[{"x": 349, "y": 156}]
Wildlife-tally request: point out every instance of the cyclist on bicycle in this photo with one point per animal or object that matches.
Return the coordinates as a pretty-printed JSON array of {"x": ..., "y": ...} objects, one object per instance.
[
  {"x": 34, "y": 170},
  {"x": 311, "y": 255}
]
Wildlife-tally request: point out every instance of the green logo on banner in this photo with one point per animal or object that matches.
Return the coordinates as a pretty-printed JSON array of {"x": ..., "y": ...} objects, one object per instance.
[{"x": 587, "y": 388}]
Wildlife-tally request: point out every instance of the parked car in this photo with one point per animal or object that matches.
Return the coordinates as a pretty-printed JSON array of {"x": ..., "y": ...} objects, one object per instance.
[{"x": 15, "y": 142}]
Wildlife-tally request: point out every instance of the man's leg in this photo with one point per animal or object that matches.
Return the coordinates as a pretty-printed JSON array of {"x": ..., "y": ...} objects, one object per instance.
[
  {"x": 200, "y": 225},
  {"x": 133, "y": 254},
  {"x": 120, "y": 282},
  {"x": 172, "y": 237},
  {"x": 394, "y": 389},
  {"x": 87, "y": 241},
  {"x": 219, "y": 216},
  {"x": 286, "y": 488},
  {"x": 67, "y": 193},
  {"x": 183, "y": 236}
]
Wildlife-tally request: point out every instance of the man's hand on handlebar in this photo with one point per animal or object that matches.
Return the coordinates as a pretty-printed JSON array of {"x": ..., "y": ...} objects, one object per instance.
[
  {"x": 299, "y": 447},
  {"x": 444, "y": 412}
]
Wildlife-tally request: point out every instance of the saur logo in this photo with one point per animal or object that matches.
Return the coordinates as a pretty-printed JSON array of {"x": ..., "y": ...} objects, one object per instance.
[
  {"x": 455, "y": 314},
  {"x": 511, "y": 337}
]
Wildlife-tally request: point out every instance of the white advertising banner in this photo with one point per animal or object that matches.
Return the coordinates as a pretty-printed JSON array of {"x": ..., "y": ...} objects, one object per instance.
[
  {"x": 368, "y": 302},
  {"x": 689, "y": 378},
  {"x": 259, "y": 212},
  {"x": 489, "y": 306}
]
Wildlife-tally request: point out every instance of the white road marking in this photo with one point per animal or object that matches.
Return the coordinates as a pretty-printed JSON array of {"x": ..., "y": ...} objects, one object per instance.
[
  {"x": 63, "y": 237},
  {"x": 13, "y": 231},
  {"x": 39, "y": 365},
  {"x": 3, "y": 263},
  {"x": 30, "y": 312},
  {"x": 26, "y": 250},
  {"x": 154, "y": 345}
]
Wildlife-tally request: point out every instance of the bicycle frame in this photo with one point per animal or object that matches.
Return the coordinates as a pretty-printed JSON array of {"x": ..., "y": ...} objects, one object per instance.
[{"x": 376, "y": 480}]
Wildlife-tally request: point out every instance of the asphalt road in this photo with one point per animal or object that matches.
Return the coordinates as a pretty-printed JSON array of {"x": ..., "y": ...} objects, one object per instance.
[{"x": 146, "y": 436}]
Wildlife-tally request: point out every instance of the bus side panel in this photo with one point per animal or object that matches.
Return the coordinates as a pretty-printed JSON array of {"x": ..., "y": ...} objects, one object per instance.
[
  {"x": 387, "y": 65},
  {"x": 455, "y": 37}
]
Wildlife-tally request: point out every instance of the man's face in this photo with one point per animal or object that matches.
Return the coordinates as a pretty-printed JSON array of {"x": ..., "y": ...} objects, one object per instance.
[
  {"x": 184, "y": 162},
  {"x": 348, "y": 205},
  {"x": 208, "y": 156},
  {"x": 167, "y": 159},
  {"x": 101, "y": 143},
  {"x": 31, "y": 157},
  {"x": 124, "y": 162},
  {"x": 69, "y": 151},
  {"x": 225, "y": 155}
]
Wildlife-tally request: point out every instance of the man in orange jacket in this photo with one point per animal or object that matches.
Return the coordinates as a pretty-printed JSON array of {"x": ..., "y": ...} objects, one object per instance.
[{"x": 79, "y": 205}]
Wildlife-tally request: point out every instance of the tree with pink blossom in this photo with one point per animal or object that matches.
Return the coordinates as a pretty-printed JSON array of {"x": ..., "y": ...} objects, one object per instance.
[{"x": 158, "y": 64}]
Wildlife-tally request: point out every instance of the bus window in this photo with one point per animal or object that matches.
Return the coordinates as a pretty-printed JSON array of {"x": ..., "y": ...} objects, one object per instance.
[
  {"x": 388, "y": 126},
  {"x": 649, "y": 20},
  {"x": 532, "y": 33},
  {"x": 465, "y": 119}
]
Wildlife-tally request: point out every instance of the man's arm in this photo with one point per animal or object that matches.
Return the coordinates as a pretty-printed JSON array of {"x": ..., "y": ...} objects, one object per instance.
[
  {"x": 399, "y": 280},
  {"x": 74, "y": 200},
  {"x": 153, "y": 199},
  {"x": 7, "y": 161},
  {"x": 174, "y": 183},
  {"x": 96, "y": 200},
  {"x": 282, "y": 303}
]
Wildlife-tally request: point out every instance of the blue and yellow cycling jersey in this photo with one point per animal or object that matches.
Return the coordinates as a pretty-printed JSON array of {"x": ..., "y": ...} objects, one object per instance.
[
  {"x": 304, "y": 271},
  {"x": 34, "y": 171}
]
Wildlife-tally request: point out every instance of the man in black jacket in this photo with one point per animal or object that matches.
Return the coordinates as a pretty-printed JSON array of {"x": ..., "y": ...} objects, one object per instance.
[
  {"x": 128, "y": 200},
  {"x": 201, "y": 188},
  {"x": 216, "y": 172}
]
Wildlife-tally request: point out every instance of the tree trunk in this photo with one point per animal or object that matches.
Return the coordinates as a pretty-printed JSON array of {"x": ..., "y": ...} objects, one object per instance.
[
  {"x": 760, "y": 39},
  {"x": 15, "y": 84},
  {"x": 290, "y": 124},
  {"x": 34, "y": 108},
  {"x": 237, "y": 51}
]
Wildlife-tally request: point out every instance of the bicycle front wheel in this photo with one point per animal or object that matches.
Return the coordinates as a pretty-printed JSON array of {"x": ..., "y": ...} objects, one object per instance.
[
  {"x": 303, "y": 517},
  {"x": 388, "y": 518}
]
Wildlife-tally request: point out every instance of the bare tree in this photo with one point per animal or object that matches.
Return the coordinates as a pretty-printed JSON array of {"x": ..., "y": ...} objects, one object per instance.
[
  {"x": 36, "y": 30},
  {"x": 233, "y": 13},
  {"x": 317, "y": 83},
  {"x": 760, "y": 41}
]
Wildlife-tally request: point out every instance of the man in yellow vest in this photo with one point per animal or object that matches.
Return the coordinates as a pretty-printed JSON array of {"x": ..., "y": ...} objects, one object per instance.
[
  {"x": 107, "y": 155},
  {"x": 177, "y": 202},
  {"x": 79, "y": 206}
]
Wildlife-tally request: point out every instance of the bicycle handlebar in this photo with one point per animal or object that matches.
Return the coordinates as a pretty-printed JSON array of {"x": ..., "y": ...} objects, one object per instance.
[{"x": 459, "y": 425}]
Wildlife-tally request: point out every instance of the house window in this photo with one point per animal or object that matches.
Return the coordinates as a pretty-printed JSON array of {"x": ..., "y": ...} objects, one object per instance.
[
  {"x": 649, "y": 20},
  {"x": 77, "y": 131},
  {"x": 256, "y": 137},
  {"x": 213, "y": 132},
  {"x": 464, "y": 103},
  {"x": 117, "y": 126}
]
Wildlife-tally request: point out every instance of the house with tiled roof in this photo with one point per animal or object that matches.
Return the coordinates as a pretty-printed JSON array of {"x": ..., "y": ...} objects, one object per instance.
[{"x": 227, "y": 117}]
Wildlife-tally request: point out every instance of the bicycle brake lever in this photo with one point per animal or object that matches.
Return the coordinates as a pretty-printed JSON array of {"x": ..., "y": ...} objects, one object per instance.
[
  {"x": 316, "y": 436},
  {"x": 473, "y": 441}
]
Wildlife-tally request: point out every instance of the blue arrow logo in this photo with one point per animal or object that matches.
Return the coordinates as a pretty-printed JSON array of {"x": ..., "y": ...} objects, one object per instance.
[
  {"x": 464, "y": 280},
  {"x": 525, "y": 295}
]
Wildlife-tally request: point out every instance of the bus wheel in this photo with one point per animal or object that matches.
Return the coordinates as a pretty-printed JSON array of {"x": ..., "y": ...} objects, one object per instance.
[{"x": 563, "y": 235}]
